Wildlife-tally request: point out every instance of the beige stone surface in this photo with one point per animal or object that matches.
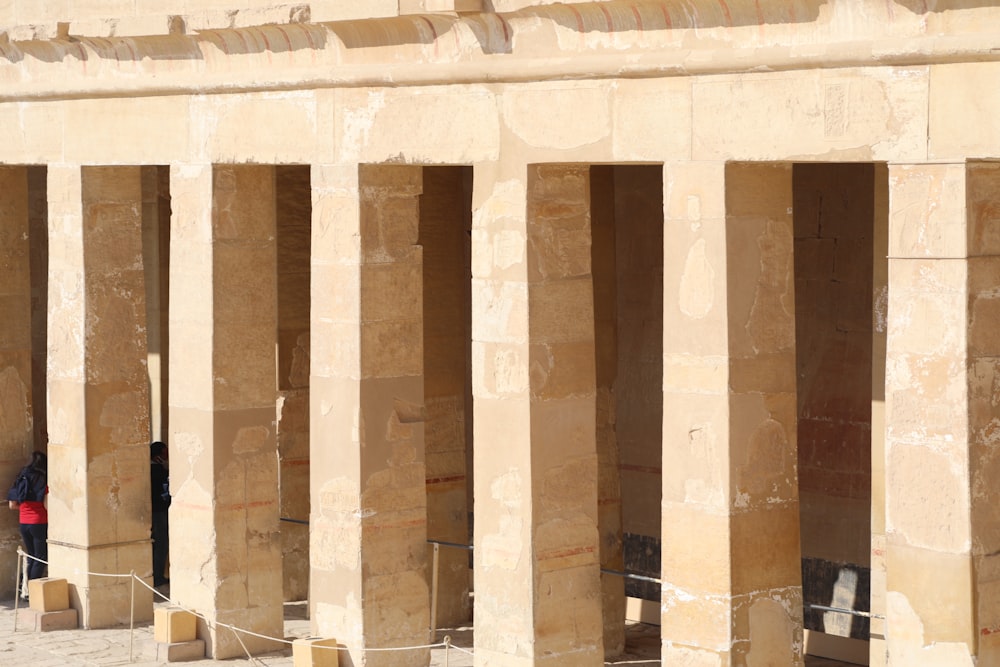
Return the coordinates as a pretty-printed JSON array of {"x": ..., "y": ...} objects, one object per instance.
[
  {"x": 48, "y": 594},
  {"x": 389, "y": 124},
  {"x": 377, "y": 491},
  {"x": 837, "y": 115},
  {"x": 171, "y": 625},
  {"x": 939, "y": 231},
  {"x": 224, "y": 465},
  {"x": 527, "y": 100},
  {"x": 99, "y": 483},
  {"x": 18, "y": 382}
]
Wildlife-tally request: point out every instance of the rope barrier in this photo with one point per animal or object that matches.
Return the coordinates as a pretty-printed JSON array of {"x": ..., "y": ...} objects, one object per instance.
[{"x": 216, "y": 625}]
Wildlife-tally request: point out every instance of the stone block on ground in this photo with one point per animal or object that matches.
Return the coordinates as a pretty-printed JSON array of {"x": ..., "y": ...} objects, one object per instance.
[
  {"x": 172, "y": 625},
  {"x": 315, "y": 652},
  {"x": 48, "y": 594}
]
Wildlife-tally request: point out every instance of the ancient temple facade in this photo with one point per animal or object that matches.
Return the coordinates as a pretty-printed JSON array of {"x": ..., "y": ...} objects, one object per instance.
[{"x": 676, "y": 309}]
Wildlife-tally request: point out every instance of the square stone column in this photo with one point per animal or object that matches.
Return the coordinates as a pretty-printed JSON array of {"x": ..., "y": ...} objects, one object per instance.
[
  {"x": 225, "y": 547},
  {"x": 98, "y": 395},
  {"x": 731, "y": 566},
  {"x": 942, "y": 468},
  {"x": 537, "y": 568},
  {"x": 16, "y": 381},
  {"x": 368, "y": 516}
]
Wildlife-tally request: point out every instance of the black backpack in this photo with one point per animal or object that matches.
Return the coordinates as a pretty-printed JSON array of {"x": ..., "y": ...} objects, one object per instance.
[{"x": 29, "y": 485}]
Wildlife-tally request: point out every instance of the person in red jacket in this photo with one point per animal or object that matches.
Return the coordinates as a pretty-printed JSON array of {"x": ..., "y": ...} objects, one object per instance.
[{"x": 29, "y": 499}]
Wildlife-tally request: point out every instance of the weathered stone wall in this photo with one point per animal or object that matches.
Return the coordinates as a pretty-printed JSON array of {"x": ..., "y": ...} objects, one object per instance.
[
  {"x": 834, "y": 236},
  {"x": 17, "y": 349}
]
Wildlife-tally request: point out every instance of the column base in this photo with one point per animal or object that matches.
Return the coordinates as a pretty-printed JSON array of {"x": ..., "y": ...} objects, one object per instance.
[{"x": 46, "y": 621}]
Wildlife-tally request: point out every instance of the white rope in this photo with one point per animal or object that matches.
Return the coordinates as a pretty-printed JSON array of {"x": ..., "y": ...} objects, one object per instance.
[{"x": 238, "y": 631}]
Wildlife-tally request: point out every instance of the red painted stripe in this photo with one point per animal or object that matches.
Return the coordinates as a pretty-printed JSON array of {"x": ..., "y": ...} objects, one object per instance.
[
  {"x": 267, "y": 43},
  {"x": 288, "y": 42},
  {"x": 638, "y": 17},
  {"x": 224, "y": 45},
  {"x": 725, "y": 11},
  {"x": 607, "y": 18},
  {"x": 246, "y": 48},
  {"x": 433, "y": 32},
  {"x": 666, "y": 17},
  {"x": 506, "y": 29},
  {"x": 83, "y": 56},
  {"x": 564, "y": 553},
  {"x": 445, "y": 480}
]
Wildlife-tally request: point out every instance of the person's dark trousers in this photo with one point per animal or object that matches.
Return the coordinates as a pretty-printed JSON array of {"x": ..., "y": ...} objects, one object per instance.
[
  {"x": 161, "y": 547},
  {"x": 35, "y": 536}
]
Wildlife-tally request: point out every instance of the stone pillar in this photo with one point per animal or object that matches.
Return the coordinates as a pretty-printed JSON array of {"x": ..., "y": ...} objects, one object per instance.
[
  {"x": 444, "y": 221},
  {"x": 942, "y": 468},
  {"x": 225, "y": 548},
  {"x": 731, "y": 567},
  {"x": 368, "y": 517},
  {"x": 16, "y": 383},
  {"x": 537, "y": 569},
  {"x": 98, "y": 395}
]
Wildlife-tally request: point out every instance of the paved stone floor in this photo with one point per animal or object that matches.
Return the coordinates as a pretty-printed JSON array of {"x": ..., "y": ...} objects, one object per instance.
[{"x": 108, "y": 648}]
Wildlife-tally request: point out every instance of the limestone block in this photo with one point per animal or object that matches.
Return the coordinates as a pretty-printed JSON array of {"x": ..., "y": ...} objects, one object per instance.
[
  {"x": 562, "y": 127},
  {"x": 172, "y": 625},
  {"x": 124, "y": 26},
  {"x": 48, "y": 594},
  {"x": 47, "y": 621},
  {"x": 376, "y": 125},
  {"x": 926, "y": 493},
  {"x": 241, "y": 128},
  {"x": 870, "y": 114},
  {"x": 504, "y": 309},
  {"x": 35, "y": 141},
  {"x": 700, "y": 564},
  {"x": 927, "y": 217},
  {"x": 765, "y": 547},
  {"x": 962, "y": 99},
  {"x": 774, "y": 631},
  {"x": 423, "y": 6},
  {"x": 346, "y": 11},
  {"x": 652, "y": 122},
  {"x": 177, "y": 652},
  {"x": 315, "y": 652},
  {"x": 128, "y": 130}
]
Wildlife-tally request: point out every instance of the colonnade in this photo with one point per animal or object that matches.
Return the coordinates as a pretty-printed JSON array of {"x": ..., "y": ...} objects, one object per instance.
[{"x": 731, "y": 591}]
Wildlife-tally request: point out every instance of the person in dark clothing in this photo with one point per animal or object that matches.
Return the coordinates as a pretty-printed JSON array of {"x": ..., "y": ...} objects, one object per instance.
[
  {"x": 160, "y": 495},
  {"x": 28, "y": 498}
]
